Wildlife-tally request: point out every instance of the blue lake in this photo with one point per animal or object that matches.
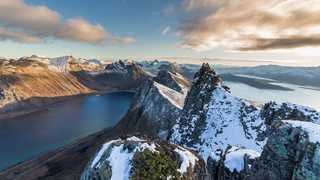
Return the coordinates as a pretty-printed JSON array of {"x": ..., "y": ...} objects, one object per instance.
[{"x": 30, "y": 135}]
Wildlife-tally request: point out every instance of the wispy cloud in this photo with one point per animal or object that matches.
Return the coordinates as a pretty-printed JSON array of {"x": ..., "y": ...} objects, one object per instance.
[
  {"x": 248, "y": 25},
  {"x": 31, "y": 24},
  {"x": 166, "y": 30}
]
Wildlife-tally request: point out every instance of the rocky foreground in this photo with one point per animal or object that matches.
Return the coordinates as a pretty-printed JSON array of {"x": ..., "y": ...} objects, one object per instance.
[{"x": 174, "y": 130}]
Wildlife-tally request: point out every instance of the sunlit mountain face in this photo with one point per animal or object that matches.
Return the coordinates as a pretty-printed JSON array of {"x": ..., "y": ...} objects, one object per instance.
[{"x": 281, "y": 31}]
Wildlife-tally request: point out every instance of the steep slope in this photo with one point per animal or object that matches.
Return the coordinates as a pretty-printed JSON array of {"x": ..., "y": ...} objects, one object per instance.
[
  {"x": 153, "y": 110},
  {"x": 134, "y": 158},
  {"x": 24, "y": 82},
  {"x": 173, "y": 80},
  {"x": 211, "y": 115}
]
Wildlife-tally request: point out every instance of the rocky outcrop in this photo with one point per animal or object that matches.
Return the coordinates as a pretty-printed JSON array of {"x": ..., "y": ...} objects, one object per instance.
[
  {"x": 291, "y": 152},
  {"x": 153, "y": 111},
  {"x": 282, "y": 111},
  {"x": 173, "y": 80},
  {"x": 134, "y": 158}
]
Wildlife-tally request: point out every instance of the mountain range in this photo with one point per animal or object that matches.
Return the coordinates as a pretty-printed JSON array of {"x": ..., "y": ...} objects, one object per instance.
[{"x": 178, "y": 127}]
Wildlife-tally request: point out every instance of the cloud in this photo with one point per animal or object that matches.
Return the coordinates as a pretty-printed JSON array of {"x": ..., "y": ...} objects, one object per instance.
[
  {"x": 81, "y": 30},
  {"x": 18, "y": 36},
  {"x": 123, "y": 40},
  {"x": 166, "y": 30},
  {"x": 282, "y": 43},
  {"x": 31, "y": 24},
  {"x": 250, "y": 25},
  {"x": 15, "y": 13}
]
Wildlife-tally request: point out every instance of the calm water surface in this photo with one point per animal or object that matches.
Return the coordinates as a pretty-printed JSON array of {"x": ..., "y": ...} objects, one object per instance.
[
  {"x": 299, "y": 95},
  {"x": 28, "y": 136}
]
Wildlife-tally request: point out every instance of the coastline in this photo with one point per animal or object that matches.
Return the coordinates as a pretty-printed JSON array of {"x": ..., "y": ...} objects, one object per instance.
[
  {"x": 67, "y": 161},
  {"x": 45, "y": 103}
]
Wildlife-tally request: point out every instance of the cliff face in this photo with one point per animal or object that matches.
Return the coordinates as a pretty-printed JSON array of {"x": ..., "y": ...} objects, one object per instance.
[
  {"x": 156, "y": 106},
  {"x": 153, "y": 110},
  {"x": 173, "y": 80}
]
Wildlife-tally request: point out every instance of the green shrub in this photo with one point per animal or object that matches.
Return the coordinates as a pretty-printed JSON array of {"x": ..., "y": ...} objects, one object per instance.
[{"x": 154, "y": 166}]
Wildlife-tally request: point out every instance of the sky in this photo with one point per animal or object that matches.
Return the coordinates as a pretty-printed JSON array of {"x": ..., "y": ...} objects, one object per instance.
[{"x": 275, "y": 30}]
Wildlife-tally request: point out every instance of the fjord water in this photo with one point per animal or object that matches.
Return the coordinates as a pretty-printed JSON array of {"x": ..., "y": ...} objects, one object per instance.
[
  {"x": 27, "y": 136},
  {"x": 299, "y": 95}
]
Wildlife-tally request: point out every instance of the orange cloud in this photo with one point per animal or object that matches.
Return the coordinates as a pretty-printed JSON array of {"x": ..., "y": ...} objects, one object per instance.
[
  {"x": 251, "y": 25},
  {"x": 81, "y": 30},
  {"x": 29, "y": 23}
]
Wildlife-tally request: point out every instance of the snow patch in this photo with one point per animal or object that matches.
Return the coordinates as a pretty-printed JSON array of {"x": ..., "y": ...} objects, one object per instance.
[
  {"x": 188, "y": 159},
  {"x": 174, "y": 97},
  {"x": 101, "y": 152},
  {"x": 120, "y": 163},
  {"x": 235, "y": 158}
]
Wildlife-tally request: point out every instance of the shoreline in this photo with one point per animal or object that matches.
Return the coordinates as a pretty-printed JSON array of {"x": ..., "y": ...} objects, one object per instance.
[
  {"x": 59, "y": 162},
  {"x": 34, "y": 164},
  {"x": 52, "y": 101}
]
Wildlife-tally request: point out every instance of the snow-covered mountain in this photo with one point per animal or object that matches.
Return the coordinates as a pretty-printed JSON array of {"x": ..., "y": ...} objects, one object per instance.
[
  {"x": 224, "y": 128},
  {"x": 212, "y": 115},
  {"x": 68, "y": 63},
  {"x": 234, "y": 139},
  {"x": 135, "y": 158}
]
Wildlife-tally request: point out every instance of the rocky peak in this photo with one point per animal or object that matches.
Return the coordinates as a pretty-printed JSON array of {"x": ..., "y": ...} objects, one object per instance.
[
  {"x": 205, "y": 81},
  {"x": 211, "y": 116},
  {"x": 118, "y": 66},
  {"x": 130, "y": 68},
  {"x": 226, "y": 129},
  {"x": 197, "y": 100}
]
